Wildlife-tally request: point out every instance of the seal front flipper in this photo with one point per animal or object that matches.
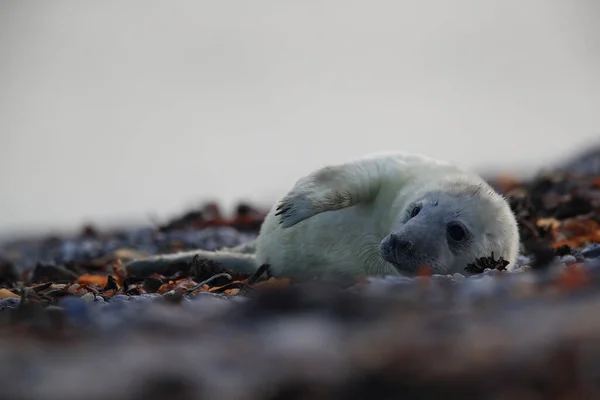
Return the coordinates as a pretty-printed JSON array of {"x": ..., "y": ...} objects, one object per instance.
[{"x": 328, "y": 189}]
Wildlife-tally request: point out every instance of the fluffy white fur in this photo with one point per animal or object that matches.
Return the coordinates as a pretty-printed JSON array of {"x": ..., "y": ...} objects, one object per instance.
[{"x": 337, "y": 222}]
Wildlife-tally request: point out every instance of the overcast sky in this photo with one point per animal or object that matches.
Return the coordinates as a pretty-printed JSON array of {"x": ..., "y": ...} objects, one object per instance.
[{"x": 115, "y": 109}]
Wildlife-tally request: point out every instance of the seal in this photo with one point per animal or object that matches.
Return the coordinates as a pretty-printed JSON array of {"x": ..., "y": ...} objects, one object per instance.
[{"x": 382, "y": 214}]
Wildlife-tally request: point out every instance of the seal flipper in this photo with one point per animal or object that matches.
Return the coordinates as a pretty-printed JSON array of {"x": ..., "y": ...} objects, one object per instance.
[
  {"x": 244, "y": 248},
  {"x": 239, "y": 259},
  {"x": 328, "y": 189}
]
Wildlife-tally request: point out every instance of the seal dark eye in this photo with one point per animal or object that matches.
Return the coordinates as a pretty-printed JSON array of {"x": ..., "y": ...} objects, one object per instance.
[
  {"x": 456, "y": 231},
  {"x": 415, "y": 211}
]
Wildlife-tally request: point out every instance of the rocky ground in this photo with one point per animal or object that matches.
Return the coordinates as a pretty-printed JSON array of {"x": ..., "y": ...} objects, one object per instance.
[{"x": 76, "y": 324}]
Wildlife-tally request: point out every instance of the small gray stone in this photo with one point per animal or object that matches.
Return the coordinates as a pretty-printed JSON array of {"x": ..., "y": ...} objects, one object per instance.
[
  {"x": 88, "y": 297},
  {"x": 591, "y": 252},
  {"x": 9, "y": 302},
  {"x": 204, "y": 295},
  {"x": 492, "y": 272},
  {"x": 458, "y": 276},
  {"x": 568, "y": 259},
  {"x": 150, "y": 296}
]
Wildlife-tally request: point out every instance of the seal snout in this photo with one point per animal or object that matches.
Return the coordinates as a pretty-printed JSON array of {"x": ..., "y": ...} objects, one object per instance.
[
  {"x": 396, "y": 249},
  {"x": 400, "y": 243}
]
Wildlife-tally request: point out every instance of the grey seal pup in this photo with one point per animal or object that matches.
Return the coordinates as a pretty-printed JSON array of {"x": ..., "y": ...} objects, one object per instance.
[{"x": 382, "y": 214}]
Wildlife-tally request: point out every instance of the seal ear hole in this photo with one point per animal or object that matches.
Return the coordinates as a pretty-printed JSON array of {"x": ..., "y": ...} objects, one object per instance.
[
  {"x": 457, "y": 232},
  {"x": 416, "y": 209}
]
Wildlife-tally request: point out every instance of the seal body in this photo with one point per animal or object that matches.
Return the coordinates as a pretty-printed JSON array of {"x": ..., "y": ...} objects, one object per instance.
[
  {"x": 354, "y": 219},
  {"x": 388, "y": 213}
]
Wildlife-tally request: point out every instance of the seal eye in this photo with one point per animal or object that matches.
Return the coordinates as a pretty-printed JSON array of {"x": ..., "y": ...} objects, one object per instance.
[
  {"x": 456, "y": 231},
  {"x": 415, "y": 211}
]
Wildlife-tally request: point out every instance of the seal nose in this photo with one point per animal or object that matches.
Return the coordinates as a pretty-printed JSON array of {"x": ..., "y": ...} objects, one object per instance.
[{"x": 400, "y": 243}]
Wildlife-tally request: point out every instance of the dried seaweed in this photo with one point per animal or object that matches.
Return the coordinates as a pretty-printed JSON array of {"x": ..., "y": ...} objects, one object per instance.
[{"x": 483, "y": 263}]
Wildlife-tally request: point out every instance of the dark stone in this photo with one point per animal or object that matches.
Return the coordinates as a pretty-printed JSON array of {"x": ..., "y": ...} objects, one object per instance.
[
  {"x": 8, "y": 274},
  {"x": 52, "y": 273},
  {"x": 151, "y": 284},
  {"x": 593, "y": 252}
]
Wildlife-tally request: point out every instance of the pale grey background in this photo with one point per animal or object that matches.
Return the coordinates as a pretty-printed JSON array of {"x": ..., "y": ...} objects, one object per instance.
[{"x": 113, "y": 110}]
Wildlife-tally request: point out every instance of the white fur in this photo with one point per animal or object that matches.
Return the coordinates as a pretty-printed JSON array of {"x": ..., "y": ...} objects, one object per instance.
[{"x": 312, "y": 241}]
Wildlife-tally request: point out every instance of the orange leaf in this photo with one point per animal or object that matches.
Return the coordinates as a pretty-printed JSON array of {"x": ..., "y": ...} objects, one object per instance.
[
  {"x": 573, "y": 277},
  {"x": 549, "y": 223},
  {"x": 184, "y": 284},
  {"x": 217, "y": 288},
  {"x": 87, "y": 279},
  {"x": 275, "y": 282},
  {"x": 118, "y": 272},
  {"x": 579, "y": 227},
  {"x": 578, "y": 241},
  {"x": 5, "y": 294}
]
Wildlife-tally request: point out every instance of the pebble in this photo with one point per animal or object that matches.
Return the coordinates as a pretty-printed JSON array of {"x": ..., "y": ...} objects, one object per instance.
[
  {"x": 522, "y": 260},
  {"x": 203, "y": 295},
  {"x": 73, "y": 288},
  {"x": 149, "y": 296},
  {"x": 492, "y": 272},
  {"x": 458, "y": 277},
  {"x": 594, "y": 263},
  {"x": 120, "y": 297},
  {"x": 9, "y": 302},
  {"x": 568, "y": 259},
  {"x": 592, "y": 251},
  {"x": 145, "y": 297},
  {"x": 88, "y": 297},
  {"x": 394, "y": 279}
]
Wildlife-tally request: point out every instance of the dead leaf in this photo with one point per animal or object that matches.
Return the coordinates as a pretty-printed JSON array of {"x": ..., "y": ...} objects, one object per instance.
[
  {"x": 228, "y": 286},
  {"x": 119, "y": 272},
  {"x": 579, "y": 227},
  {"x": 548, "y": 223},
  {"x": 87, "y": 279},
  {"x": 6, "y": 294},
  {"x": 578, "y": 242},
  {"x": 183, "y": 284},
  {"x": 278, "y": 283}
]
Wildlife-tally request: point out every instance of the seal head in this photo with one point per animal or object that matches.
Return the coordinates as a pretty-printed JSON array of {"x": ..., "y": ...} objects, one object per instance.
[{"x": 450, "y": 227}]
